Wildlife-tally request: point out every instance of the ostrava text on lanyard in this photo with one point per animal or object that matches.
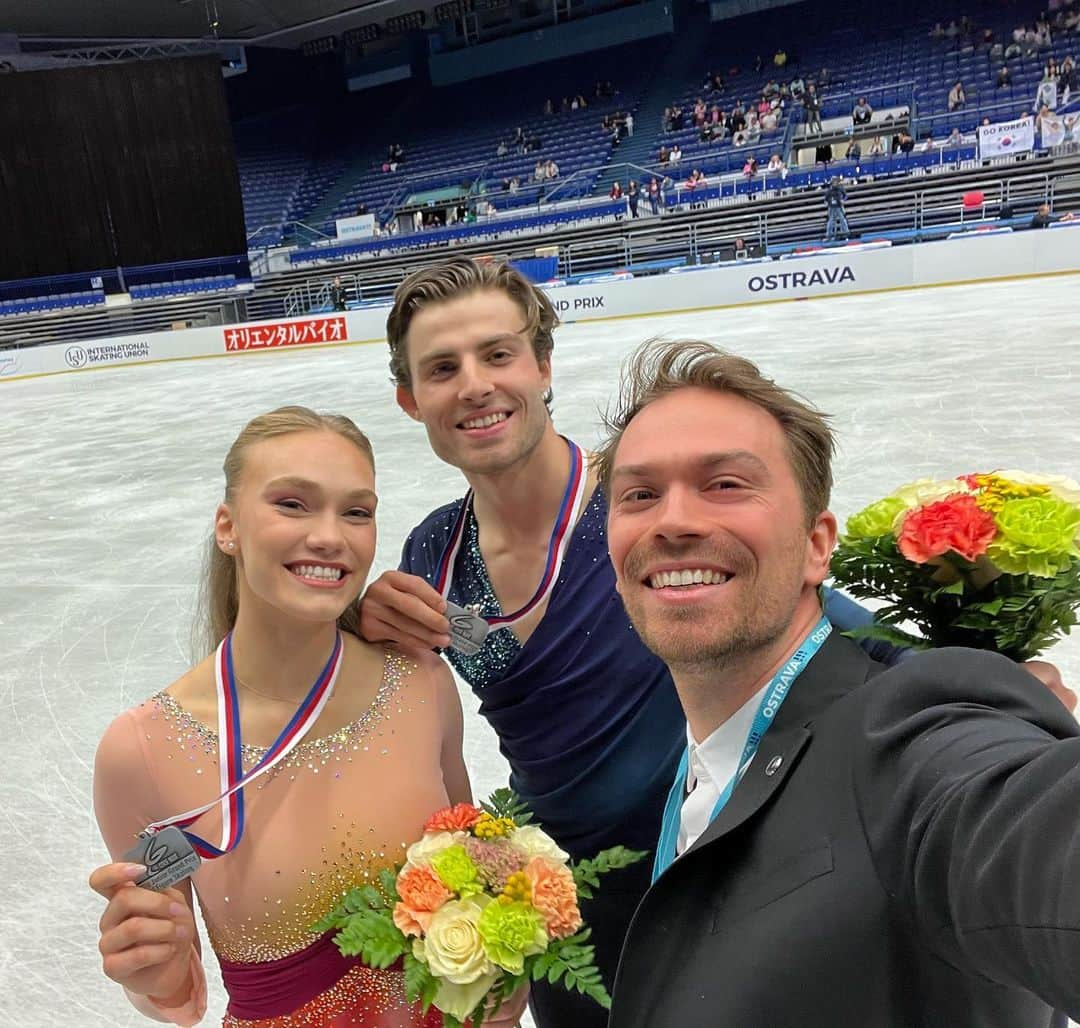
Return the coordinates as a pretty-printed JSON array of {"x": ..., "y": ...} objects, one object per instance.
[{"x": 773, "y": 696}]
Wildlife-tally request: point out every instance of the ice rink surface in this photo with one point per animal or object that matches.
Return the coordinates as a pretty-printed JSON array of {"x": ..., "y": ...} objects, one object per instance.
[{"x": 110, "y": 478}]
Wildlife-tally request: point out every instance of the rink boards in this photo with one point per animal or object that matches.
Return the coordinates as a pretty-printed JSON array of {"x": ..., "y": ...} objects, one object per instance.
[{"x": 861, "y": 268}]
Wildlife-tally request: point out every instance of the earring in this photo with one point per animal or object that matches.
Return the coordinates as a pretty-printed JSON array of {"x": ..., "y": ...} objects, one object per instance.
[{"x": 230, "y": 545}]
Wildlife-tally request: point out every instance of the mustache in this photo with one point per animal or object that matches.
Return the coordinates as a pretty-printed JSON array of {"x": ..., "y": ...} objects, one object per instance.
[{"x": 734, "y": 559}]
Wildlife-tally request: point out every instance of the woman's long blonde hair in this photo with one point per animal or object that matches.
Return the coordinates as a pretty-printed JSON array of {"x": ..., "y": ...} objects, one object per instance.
[{"x": 219, "y": 598}]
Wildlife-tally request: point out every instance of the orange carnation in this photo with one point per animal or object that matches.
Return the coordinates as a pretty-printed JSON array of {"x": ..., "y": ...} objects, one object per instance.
[
  {"x": 554, "y": 895},
  {"x": 458, "y": 818},
  {"x": 956, "y": 523},
  {"x": 421, "y": 895}
]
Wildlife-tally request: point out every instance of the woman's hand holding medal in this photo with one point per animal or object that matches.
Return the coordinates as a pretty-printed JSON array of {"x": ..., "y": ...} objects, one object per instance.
[{"x": 146, "y": 936}]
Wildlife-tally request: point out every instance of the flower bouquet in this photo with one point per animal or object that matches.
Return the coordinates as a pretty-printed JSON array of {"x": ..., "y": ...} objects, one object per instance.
[
  {"x": 484, "y": 904},
  {"x": 990, "y": 561}
]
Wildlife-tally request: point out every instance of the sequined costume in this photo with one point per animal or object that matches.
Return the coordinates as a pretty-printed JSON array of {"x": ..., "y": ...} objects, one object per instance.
[
  {"x": 329, "y": 817},
  {"x": 587, "y": 718}
]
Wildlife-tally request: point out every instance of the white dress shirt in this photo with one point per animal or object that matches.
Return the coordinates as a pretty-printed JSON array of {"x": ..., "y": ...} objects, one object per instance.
[{"x": 711, "y": 766}]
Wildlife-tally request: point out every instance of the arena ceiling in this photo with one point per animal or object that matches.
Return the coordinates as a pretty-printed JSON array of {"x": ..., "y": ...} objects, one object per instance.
[{"x": 264, "y": 22}]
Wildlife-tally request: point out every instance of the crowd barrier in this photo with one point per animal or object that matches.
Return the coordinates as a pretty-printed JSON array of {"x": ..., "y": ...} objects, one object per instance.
[{"x": 862, "y": 268}]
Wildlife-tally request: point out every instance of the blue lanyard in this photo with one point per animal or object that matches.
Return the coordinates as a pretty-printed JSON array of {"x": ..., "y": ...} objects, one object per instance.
[{"x": 774, "y": 695}]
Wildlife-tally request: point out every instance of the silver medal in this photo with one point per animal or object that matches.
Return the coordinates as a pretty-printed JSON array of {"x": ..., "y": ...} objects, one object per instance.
[
  {"x": 467, "y": 629},
  {"x": 168, "y": 856}
]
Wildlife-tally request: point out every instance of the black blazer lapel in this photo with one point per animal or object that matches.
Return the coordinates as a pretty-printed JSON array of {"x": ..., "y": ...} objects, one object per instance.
[{"x": 837, "y": 667}]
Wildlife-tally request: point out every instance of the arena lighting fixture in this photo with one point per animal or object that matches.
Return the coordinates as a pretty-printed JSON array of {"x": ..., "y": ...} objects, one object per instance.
[
  {"x": 453, "y": 10},
  {"x": 406, "y": 22},
  {"x": 323, "y": 45},
  {"x": 361, "y": 34}
]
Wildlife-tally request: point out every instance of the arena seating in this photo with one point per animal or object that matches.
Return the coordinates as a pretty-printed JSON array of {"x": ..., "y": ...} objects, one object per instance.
[
  {"x": 53, "y": 302},
  {"x": 447, "y": 142}
]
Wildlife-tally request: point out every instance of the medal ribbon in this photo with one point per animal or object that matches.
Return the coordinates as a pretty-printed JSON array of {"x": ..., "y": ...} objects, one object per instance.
[
  {"x": 230, "y": 768},
  {"x": 569, "y": 510},
  {"x": 774, "y": 695}
]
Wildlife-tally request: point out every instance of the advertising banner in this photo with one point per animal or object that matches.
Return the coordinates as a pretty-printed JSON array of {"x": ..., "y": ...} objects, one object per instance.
[
  {"x": 294, "y": 332},
  {"x": 360, "y": 227}
]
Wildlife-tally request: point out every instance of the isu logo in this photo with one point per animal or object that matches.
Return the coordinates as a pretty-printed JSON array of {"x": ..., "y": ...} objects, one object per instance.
[
  {"x": 157, "y": 853},
  {"x": 76, "y": 357}
]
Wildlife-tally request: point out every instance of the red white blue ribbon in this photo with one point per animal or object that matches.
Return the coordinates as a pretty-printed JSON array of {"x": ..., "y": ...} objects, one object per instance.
[
  {"x": 561, "y": 533},
  {"x": 230, "y": 748}
]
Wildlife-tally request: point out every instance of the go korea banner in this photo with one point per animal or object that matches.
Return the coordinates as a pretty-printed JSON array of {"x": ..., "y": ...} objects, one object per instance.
[{"x": 1007, "y": 137}]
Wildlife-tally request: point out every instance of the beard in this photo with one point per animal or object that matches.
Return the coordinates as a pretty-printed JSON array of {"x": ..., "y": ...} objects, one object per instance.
[{"x": 756, "y": 611}]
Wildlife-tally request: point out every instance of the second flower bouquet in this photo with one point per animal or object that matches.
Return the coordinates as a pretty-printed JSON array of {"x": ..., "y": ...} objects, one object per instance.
[{"x": 484, "y": 904}]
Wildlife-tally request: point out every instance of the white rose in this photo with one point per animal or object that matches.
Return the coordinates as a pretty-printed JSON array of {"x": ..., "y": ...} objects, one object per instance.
[
  {"x": 535, "y": 842},
  {"x": 419, "y": 854},
  {"x": 452, "y": 946},
  {"x": 929, "y": 490},
  {"x": 461, "y": 1000}
]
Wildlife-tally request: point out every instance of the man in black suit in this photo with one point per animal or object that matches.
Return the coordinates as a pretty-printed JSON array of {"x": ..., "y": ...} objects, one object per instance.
[{"x": 846, "y": 846}]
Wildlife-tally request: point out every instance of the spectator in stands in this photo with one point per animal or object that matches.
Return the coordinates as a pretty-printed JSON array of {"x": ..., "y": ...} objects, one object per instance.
[
  {"x": 812, "y": 109},
  {"x": 565, "y": 104},
  {"x": 502, "y": 149},
  {"x": 1043, "y": 38},
  {"x": 628, "y": 124},
  {"x": 337, "y": 295},
  {"x": 519, "y": 136},
  {"x": 836, "y": 225},
  {"x": 904, "y": 142},
  {"x": 549, "y": 106},
  {"x": 740, "y": 138},
  {"x": 955, "y": 139},
  {"x": 877, "y": 148},
  {"x": 1050, "y": 69},
  {"x": 772, "y": 88},
  {"x": 515, "y": 185},
  {"x": 1019, "y": 34},
  {"x": 1012, "y": 51},
  {"x": 862, "y": 112},
  {"x": 676, "y": 154},
  {"x": 653, "y": 192},
  {"x": 952, "y": 30},
  {"x": 1067, "y": 79},
  {"x": 693, "y": 183},
  {"x": 753, "y": 127},
  {"x": 705, "y": 135},
  {"x": 736, "y": 119},
  {"x": 538, "y": 172},
  {"x": 780, "y": 58},
  {"x": 750, "y": 167},
  {"x": 707, "y": 84},
  {"x": 797, "y": 87},
  {"x": 532, "y": 144},
  {"x": 928, "y": 144},
  {"x": 1043, "y": 217},
  {"x": 1047, "y": 94},
  {"x": 551, "y": 170},
  {"x": 769, "y": 121},
  {"x": 776, "y": 166},
  {"x": 361, "y": 209},
  {"x": 957, "y": 96},
  {"x": 1004, "y": 77},
  {"x": 616, "y": 192},
  {"x": 854, "y": 151},
  {"x": 664, "y": 157},
  {"x": 938, "y": 31},
  {"x": 633, "y": 197}
]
